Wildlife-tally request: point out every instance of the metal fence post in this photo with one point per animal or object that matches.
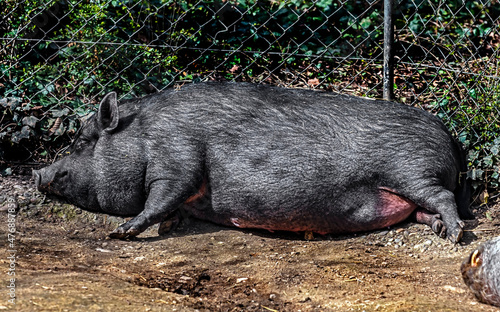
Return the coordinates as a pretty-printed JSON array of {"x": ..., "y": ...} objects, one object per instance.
[{"x": 388, "y": 70}]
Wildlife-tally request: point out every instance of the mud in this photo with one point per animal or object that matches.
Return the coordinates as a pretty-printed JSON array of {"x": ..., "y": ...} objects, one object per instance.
[{"x": 65, "y": 262}]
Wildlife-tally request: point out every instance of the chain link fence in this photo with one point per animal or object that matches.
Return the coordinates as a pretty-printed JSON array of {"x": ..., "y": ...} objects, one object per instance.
[{"x": 58, "y": 58}]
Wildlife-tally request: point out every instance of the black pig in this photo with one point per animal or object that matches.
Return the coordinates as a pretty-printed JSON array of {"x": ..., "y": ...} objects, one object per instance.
[
  {"x": 265, "y": 157},
  {"x": 482, "y": 274}
]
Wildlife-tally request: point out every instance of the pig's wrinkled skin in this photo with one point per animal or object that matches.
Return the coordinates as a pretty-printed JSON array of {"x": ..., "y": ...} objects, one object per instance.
[
  {"x": 481, "y": 272},
  {"x": 255, "y": 156}
]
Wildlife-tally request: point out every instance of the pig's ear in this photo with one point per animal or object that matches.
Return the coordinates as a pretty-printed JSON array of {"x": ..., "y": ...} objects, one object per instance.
[{"x": 108, "y": 113}]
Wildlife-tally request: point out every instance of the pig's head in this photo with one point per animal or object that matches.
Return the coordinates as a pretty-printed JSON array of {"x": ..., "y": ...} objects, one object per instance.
[{"x": 74, "y": 177}]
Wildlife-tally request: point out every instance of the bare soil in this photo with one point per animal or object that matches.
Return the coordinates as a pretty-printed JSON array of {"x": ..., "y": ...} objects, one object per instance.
[{"x": 65, "y": 262}]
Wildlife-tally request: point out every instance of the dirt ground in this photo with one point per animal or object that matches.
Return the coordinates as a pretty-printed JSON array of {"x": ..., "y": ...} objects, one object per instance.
[{"x": 65, "y": 262}]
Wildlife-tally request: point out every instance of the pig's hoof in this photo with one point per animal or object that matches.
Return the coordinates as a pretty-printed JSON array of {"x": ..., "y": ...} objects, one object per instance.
[
  {"x": 133, "y": 232},
  {"x": 438, "y": 226},
  {"x": 309, "y": 236},
  {"x": 165, "y": 227},
  {"x": 168, "y": 226},
  {"x": 120, "y": 233},
  {"x": 455, "y": 234}
]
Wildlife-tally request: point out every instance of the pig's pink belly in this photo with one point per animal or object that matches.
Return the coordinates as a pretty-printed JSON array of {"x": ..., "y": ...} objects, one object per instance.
[{"x": 390, "y": 209}]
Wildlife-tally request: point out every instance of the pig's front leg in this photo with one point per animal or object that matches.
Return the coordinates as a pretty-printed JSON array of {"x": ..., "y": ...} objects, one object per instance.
[{"x": 161, "y": 202}]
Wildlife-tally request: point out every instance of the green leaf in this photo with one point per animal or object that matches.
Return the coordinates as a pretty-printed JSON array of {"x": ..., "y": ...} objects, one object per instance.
[{"x": 60, "y": 113}]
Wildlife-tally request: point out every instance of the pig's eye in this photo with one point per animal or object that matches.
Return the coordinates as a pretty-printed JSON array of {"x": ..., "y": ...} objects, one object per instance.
[{"x": 83, "y": 143}]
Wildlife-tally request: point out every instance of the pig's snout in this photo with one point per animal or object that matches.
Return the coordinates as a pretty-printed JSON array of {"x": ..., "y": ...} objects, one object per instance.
[{"x": 49, "y": 180}]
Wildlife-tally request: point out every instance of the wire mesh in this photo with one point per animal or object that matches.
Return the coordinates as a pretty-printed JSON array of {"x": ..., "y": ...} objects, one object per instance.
[{"x": 59, "y": 57}]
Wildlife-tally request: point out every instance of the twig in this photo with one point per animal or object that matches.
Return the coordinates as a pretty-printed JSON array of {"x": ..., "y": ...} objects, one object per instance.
[
  {"x": 480, "y": 230},
  {"x": 11, "y": 124}
]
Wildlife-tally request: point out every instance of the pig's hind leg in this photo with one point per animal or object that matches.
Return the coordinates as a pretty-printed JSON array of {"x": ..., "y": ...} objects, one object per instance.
[{"x": 439, "y": 202}]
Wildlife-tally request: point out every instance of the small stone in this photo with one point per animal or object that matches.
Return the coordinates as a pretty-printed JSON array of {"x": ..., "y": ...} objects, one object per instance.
[
  {"x": 103, "y": 250},
  {"x": 185, "y": 278}
]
